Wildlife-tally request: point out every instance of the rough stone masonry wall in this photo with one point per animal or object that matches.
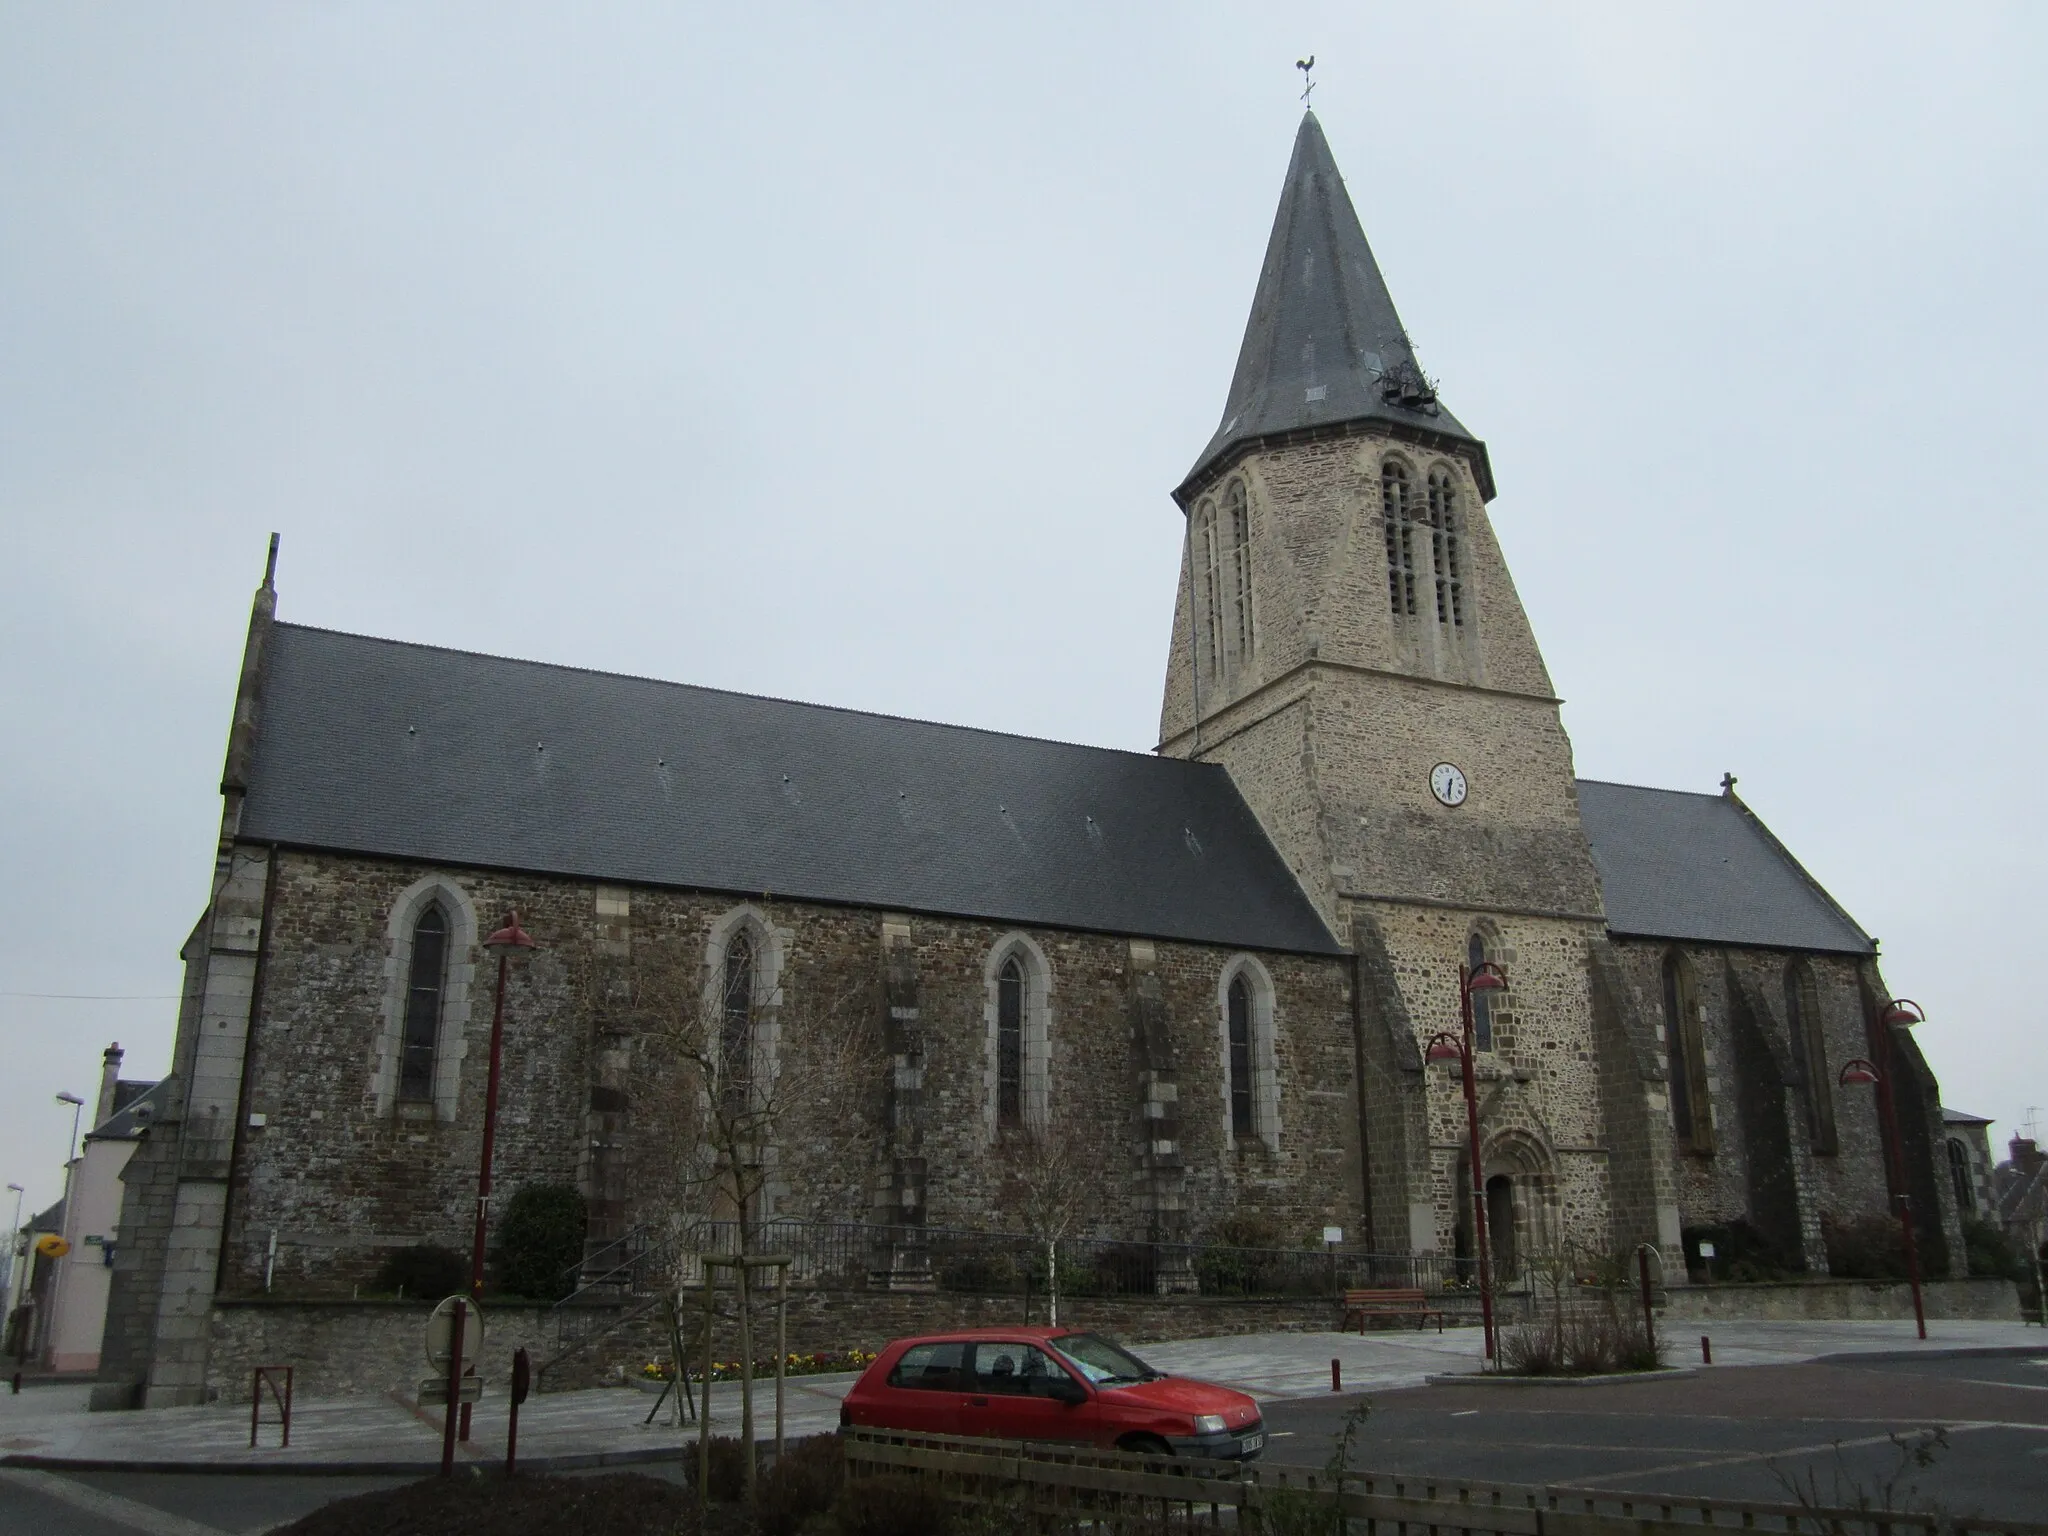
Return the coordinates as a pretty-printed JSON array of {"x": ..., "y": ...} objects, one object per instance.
[
  {"x": 341, "y": 1183},
  {"x": 1539, "y": 1087},
  {"x": 1718, "y": 1186},
  {"x": 342, "y": 1349}
]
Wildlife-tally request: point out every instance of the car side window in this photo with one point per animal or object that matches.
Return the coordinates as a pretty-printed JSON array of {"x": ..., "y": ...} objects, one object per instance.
[
  {"x": 1015, "y": 1370},
  {"x": 932, "y": 1368}
]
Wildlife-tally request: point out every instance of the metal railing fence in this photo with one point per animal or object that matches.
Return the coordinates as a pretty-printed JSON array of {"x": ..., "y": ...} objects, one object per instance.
[
  {"x": 868, "y": 1256},
  {"x": 1056, "y": 1488}
]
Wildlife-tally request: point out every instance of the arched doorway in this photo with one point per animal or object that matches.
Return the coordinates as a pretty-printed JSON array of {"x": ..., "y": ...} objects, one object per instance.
[{"x": 1500, "y": 1224}]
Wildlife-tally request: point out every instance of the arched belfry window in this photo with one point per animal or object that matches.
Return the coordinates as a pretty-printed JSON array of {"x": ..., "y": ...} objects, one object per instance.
[
  {"x": 1019, "y": 1017},
  {"x": 425, "y": 982},
  {"x": 1445, "y": 554},
  {"x": 736, "y": 1016},
  {"x": 1238, "y": 507},
  {"x": 1810, "y": 1054},
  {"x": 1251, "y": 1079},
  {"x": 1210, "y": 561},
  {"x": 1692, "y": 1117},
  {"x": 1482, "y": 1002},
  {"x": 1396, "y": 511}
]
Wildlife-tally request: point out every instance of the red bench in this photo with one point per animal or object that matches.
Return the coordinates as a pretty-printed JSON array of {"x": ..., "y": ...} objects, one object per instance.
[{"x": 1389, "y": 1303}]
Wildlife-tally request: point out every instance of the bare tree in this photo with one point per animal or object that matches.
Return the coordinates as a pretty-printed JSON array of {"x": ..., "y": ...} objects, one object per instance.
[
  {"x": 748, "y": 1084},
  {"x": 1050, "y": 1192}
]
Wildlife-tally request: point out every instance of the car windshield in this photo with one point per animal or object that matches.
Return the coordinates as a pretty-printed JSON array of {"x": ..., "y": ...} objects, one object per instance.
[{"x": 1101, "y": 1361}]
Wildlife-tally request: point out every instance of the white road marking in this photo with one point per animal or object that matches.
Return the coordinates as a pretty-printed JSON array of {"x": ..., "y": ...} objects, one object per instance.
[{"x": 135, "y": 1515}]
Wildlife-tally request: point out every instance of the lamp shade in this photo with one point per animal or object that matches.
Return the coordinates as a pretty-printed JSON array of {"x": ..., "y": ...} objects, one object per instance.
[
  {"x": 1486, "y": 979},
  {"x": 1857, "y": 1073},
  {"x": 511, "y": 936},
  {"x": 1444, "y": 1048},
  {"x": 1903, "y": 1011}
]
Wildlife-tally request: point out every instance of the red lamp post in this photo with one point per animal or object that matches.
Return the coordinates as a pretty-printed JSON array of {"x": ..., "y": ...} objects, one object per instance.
[
  {"x": 1860, "y": 1072},
  {"x": 503, "y": 943},
  {"x": 1485, "y": 977}
]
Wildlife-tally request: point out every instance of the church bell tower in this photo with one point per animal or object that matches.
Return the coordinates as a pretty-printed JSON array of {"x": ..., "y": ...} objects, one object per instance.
[{"x": 1349, "y": 645}]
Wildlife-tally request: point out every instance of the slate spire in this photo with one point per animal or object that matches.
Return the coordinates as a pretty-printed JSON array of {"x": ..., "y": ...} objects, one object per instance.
[{"x": 1324, "y": 350}]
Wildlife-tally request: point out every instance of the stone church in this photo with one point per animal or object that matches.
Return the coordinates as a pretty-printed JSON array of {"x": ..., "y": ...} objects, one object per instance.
[{"x": 1216, "y": 968}]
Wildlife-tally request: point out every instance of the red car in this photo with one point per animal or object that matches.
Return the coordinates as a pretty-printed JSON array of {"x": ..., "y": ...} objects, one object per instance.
[{"x": 1049, "y": 1384}]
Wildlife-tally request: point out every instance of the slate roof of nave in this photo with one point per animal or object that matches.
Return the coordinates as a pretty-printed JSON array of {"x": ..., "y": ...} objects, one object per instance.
[
  {"x": 1677, "y": 865},
  {"x": 415, "y": 752},
  {"x": 380, "y": 747}
]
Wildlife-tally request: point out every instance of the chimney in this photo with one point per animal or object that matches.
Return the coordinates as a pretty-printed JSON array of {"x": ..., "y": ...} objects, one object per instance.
[
  {"x": 110, "y": 1074},
  {"x": 2026, "y": 1156}
]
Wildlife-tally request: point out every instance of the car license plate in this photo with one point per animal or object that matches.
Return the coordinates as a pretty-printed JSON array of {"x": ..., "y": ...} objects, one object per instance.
[{"x": 1252, "y": 1443}]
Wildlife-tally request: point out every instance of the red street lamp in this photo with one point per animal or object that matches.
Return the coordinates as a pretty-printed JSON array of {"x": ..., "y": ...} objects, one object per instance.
[
  {"x": 1484, "y": 977},
  {"x": 505, "y": 942},
  {"x": 1861, "y": 1073}
]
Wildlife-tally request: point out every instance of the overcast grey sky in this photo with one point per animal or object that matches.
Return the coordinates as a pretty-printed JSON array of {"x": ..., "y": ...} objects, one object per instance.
[{"x": 849, "y": 353}]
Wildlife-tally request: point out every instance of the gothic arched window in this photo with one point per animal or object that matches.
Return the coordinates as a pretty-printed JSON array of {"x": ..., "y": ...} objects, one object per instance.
[
  {"x": 1010, "y": 1044},
  {"x": 424, "y": 984},
  {"x": 1482, "y": 1002},
  {"x": 1810, "y": 1054},
  {"x": 1249, "y": 1054},
  {"x": 1240, "y": 1008},
  {"x": 736, "y": 1015},
  {"x": 1396, "y": 493},
  {"x": 1959, "y": 1176},
  {"x": 1691, "y": 1116},
  {"x": 1239, "y": 510},
  {"x": 1443, "y": 548}
]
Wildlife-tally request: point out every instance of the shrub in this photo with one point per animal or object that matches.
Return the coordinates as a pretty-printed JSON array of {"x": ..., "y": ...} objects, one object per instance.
[
  {"x": 803, "y": 1482},
  {"x": 1742, "y": 1254},
  {"x": 540, "y": 1242},
  {"x": 890, "y": 1506},
  {"x": 1991, "y": 1252},
  {"x": 1867, "y": 1248},
  {"x": 728, "y": 1480},
  {"x": 979, "y": 1273},
  {"x": 425, "y": 1271}
]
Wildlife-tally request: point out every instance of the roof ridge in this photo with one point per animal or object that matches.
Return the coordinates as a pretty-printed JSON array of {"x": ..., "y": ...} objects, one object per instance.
[
  {"x": 737, "y": 693},
  {"x": 1652, "y": 789}
]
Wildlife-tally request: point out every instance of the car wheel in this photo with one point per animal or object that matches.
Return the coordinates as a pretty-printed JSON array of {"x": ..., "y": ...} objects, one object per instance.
[{"x": 1145, "y": 1445}]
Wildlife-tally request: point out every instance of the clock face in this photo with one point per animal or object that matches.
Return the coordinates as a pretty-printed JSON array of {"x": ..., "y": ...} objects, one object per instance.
[{"x": 1447, "y": 783}]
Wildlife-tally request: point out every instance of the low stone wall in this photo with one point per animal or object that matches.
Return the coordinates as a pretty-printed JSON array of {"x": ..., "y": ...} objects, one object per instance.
[
  {"x": 1844, "y": 1300},
  {"x": 345, "y": 1348}
]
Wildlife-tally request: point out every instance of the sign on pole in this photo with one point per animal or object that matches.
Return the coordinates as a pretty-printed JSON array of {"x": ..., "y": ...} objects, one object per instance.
[{"x": 441, "y": 1332}]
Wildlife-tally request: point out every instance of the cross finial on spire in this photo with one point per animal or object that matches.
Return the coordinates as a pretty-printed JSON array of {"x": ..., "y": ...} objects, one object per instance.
[
  {"x": 1308, "y": 83},
  {"x": 1727, "y": 783}
]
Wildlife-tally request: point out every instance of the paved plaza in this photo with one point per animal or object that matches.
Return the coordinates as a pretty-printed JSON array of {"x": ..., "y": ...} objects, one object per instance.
[{"x": 1828, "y": 1399}]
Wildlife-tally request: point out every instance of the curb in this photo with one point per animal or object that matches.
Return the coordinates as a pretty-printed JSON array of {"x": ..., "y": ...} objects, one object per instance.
[
  {"x": 574, "y": 1461},
  {"x": 1976, "y": 1352},
  {"x": 1496, "y": 1379}
]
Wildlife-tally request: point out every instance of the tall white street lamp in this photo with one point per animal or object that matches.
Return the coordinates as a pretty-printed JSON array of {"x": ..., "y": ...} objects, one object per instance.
[
  {"x": 13, "y": 1253},
  {"x": 57, "y": 1280}
]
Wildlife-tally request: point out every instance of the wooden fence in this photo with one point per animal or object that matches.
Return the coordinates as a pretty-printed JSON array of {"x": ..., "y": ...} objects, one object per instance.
[{"x": 1053, "y": 1488}]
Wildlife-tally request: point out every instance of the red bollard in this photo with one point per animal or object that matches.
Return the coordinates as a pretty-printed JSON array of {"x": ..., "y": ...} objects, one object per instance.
[
  {"x": 1706, "y": 1350},
  {"x": 1336, "y": 1375}
]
